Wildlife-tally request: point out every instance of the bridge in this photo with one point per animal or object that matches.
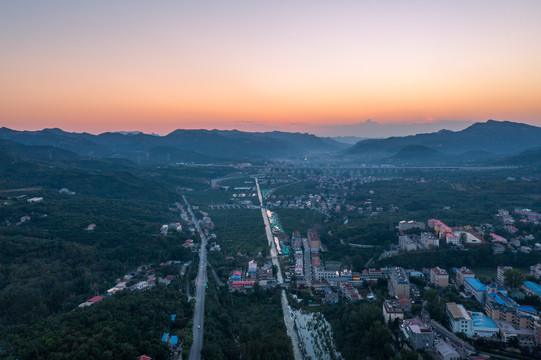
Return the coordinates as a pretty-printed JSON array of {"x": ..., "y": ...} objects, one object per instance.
[{"x": 373, "y": 170}]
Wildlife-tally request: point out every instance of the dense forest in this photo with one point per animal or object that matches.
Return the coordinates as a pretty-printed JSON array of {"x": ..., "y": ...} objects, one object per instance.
[
  {"x": 123, "y": 326},
  {"x": 245, "y": 326}
]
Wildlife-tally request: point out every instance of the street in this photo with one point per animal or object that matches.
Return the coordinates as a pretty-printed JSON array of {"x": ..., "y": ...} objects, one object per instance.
[
  {"x": 200, "y": 291},
  {"x": 307, "y": 263}
]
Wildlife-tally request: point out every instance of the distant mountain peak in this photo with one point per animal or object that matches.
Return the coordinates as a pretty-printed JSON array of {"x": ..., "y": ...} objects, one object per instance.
[{"x": 494, "y": 136}]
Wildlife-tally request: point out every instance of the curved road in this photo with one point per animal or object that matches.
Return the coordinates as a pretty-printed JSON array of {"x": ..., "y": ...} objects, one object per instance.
[{"x": 200, "y": 291}]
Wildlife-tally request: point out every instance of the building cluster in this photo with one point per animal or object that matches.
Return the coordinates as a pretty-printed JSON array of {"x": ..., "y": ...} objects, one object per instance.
[
  {"x": 331, "y": 196},
  {"x": 242, "y": 281},
  {"x": 515, "y": 241},
  {"x": 141, "y": 279},
  {"x": 503, "y": 316},
  {"x": 413, "y": 237},
  {"x": 528, "y": 216},
  {"x": 330, "y": 280}
]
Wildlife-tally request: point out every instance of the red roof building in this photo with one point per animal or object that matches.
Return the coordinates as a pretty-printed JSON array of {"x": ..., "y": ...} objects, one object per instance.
[{"x": 95, "y": 299}]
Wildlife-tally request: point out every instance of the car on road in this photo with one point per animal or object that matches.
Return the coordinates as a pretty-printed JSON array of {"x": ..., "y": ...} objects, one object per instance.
[{"x": 199, "y": 326}]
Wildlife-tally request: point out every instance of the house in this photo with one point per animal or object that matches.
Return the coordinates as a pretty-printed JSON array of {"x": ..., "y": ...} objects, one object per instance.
[
  {"x": 420, "y": 336},
  {"x": 404, "y": 301},
  {"x": 90, "y": 227},
  {"x": 331, "y": 297},
  {"x": 91, "y": 301},
  {"x": 498, "y": 248},
  {"x": 439, "y": 276},
  {"x": 446, "y": 351},
  {"x": 66, "y": 191},
  {"x": 428, "y": 240},
  {"x": 143, "y": 357},
  {"x": 451, "y": 238},
  {"x": 392, "y": 310},
  {"x": 535, "y": 271},
  {"x": 459, "y": 319},
  {"x": 462, "y": 274},
  {"x": 476, "y": 288},
  {"x": 515, "y": 242},
  {"x": 498, "y": 238},
  {"x": 408, "y": 225},
  {"x": 35, "y": 199},
  {"x": 164, "y": 229},
  {"x": 313, "y": 240},
  {"x": 242, "y": 285},
  {"x": 24, "y": 219}
]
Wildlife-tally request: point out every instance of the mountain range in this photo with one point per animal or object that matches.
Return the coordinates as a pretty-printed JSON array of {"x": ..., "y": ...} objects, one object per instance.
[
  {"x": 181, "y": 145},
  {"x": 488, "y": 143}
]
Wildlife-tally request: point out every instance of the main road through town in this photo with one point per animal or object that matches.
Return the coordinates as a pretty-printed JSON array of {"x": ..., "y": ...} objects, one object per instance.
[
  {"x": 200, "y": 290},
  {"x": 286, "y": 309}
]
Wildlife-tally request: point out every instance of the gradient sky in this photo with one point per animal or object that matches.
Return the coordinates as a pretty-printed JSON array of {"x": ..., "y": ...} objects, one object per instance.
[{"x": 256, "y": 65}]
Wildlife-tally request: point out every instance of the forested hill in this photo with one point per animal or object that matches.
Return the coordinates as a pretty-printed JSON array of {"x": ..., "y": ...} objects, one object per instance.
[
  {"x": 492, "y": 136},
  {"x": 50, "y": 261},
  {"x": 202, "y": 146}
]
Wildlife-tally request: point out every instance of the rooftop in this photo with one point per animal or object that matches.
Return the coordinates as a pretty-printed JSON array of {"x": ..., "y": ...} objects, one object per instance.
[
  {"x": 446, "y": 349},
  {"x": 533, "y": 287},
  {"x": 476, "y": 284},
  {"x": 392, "y": 305},
  {"x": 502, "y": 299},
  {"x": 457, "y": 311},
  {"x": 465, "y": 270},
  {"x": 439, "y": 271},
  {"x": 481, "y": 321}
]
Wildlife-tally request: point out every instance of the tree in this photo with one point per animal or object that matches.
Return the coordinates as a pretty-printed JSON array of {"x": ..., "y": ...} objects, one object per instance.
[{"x": 513, "y": 278}]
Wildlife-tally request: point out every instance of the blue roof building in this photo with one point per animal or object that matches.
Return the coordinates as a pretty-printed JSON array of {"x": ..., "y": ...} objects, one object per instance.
[
  {"x": 526, "y": 309},
  {"x": 174, "y": 340},
  {"x": 532, "y": 288},
  {"x": 502, "y": 299},
  {"x": 165, "y": 337},
  {"x": 173, "y": 317},
  {"x": 476, "y": 288},
  {"x": 483, "y": 326}
]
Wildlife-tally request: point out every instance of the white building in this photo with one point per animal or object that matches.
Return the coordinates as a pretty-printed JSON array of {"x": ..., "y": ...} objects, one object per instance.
[
  {"x": 428, "y": 240},
  {"x": 392, "y": 310},
  {"x": 462, "y": 274},
  {"x": 321, "y": 274},
  {"x": 535, "y": 271},
  {"x": 459, "y": 319},
  {"x": 500, "y": 279}
]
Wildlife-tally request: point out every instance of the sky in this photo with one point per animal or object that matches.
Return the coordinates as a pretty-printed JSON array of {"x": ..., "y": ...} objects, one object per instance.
[{"x": 325, "y": 67}]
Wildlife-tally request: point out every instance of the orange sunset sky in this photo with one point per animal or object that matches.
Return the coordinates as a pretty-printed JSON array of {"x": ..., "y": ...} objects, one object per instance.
[{"x": 157, "y": 66}]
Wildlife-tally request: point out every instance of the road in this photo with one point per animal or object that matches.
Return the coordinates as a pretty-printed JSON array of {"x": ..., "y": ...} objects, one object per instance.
[
  {"x": 307, "y": 263},
  {"x": 460, "y": 345},
  {"x": 286, "y": 309},
  {"x": 270, "y": 236},
  {"x": 200, "y": 290},
  {"x": 216, "y": 278}
]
